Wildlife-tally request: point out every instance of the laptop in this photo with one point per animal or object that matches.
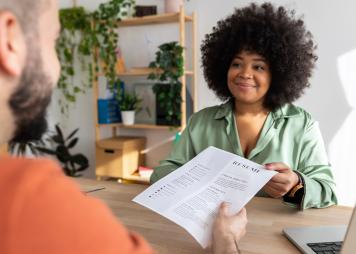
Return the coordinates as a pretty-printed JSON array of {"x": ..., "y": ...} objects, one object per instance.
[{"x": 325, "y": 239}]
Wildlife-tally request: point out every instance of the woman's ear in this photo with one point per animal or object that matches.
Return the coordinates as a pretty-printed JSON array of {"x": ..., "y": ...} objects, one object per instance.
[{"x": 12, "y": 45}]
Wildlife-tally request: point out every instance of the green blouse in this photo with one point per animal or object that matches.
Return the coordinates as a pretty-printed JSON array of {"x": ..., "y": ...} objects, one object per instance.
[{"x": 289, "y": 135}]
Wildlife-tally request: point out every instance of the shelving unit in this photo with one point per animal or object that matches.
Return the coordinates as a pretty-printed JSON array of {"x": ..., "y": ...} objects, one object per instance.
[{"x": 182, "y": 20}]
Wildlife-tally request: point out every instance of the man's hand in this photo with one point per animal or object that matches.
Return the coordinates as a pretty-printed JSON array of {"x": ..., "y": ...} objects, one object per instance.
[
  {"x": 228, "y": 230},
  {"x": 282, "y": 182}
]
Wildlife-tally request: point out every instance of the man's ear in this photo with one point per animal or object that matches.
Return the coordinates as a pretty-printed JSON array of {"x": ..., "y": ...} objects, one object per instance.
[{"x": 12, "y": 45}]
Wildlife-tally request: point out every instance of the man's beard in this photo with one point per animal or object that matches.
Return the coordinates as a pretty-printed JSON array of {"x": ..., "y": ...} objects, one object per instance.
[{"x": 30, "y": 100}]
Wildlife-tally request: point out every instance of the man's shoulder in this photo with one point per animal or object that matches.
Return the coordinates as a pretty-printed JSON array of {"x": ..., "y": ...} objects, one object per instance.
[
  {"x": 18, "y": 162},
  {"x": 40, "y": 198},
  {"x": 22, "y": 179},
  {"x": 21, "y": 170}
]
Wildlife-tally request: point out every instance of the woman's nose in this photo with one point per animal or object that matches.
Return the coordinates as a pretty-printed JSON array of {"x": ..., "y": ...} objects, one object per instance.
[{"x": 245, "y": 73}]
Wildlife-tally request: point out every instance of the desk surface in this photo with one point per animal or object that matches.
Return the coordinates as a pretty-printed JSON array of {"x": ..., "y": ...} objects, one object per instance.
[{"x": 266, "y": 219}]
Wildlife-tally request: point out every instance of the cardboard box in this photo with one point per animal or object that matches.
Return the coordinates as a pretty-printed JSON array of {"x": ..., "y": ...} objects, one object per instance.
[{"x": 119, "y": 156}]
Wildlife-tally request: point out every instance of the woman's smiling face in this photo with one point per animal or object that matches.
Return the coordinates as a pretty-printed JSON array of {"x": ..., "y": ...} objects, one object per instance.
[{"x": 249, "y": 78}]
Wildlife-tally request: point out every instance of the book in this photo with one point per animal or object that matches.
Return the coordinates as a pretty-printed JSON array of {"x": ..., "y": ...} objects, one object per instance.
[
  {"x": 191, "y": 195},
  {"x": 145, "y": 171}
]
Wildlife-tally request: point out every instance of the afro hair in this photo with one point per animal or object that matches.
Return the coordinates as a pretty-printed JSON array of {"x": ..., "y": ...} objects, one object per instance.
[{"x": 271, "y": 32}]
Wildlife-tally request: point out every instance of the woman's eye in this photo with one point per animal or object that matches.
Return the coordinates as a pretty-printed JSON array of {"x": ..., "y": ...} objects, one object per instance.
[
  {"x": 237, "y": 65},
  {"x": 259, "y": 67}
]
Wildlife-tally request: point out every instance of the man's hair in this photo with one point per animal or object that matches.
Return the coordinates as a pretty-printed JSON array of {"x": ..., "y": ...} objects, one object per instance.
[
  {"x": 272, "y": 32},
  {"x": 26, "y": 11}
]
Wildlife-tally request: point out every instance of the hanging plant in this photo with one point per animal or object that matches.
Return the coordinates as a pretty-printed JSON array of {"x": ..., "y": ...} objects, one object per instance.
[
  {"x": 75, "y": 27},
  {"x": 105, "y": 21},
  {"x": 81, "y": 33},
  {"x": 168, "y": 68}
]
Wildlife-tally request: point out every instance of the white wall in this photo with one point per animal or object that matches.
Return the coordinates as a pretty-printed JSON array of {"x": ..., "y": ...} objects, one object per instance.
[{"x": 332, "y": 24}]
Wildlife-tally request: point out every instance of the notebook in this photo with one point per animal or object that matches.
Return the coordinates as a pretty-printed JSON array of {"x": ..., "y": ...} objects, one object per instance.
[{"x": 325, "y": 239}]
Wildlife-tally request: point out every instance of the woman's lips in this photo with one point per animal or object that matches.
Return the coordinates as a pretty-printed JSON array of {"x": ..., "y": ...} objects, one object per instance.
[{"x": 245, "y": 85}]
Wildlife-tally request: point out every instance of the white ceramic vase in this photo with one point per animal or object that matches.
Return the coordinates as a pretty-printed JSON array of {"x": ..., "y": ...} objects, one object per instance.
[
  {"x": 128, "y": 117},
  {"x": 172, "y": 5}
]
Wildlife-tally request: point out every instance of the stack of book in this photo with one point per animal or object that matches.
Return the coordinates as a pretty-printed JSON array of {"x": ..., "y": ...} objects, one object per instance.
[
  {"x": 145, "y": 171},
  {"x": 108, "y": 111}
]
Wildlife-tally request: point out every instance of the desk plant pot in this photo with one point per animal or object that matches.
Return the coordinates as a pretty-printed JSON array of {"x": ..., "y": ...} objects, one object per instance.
[
  {"x": 129, "y": 103},
  {"x": 128, "y": 117}
]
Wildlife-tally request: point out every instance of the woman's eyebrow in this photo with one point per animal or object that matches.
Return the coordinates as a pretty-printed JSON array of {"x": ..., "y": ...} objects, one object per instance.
[{"x": 259, "y": 59}]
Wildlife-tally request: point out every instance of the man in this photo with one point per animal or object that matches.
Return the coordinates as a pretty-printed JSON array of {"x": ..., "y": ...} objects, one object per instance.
[{"x": 42, "y": 211}]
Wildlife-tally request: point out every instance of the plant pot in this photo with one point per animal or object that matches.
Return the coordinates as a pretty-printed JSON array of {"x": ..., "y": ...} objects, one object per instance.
[
  {"x": 172, "y": 5},
  {"x": 128, "y": 117}
]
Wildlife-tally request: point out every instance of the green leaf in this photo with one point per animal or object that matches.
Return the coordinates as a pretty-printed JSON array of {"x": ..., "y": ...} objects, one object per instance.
[
  {"x": 59, "y": 134},
  {"x": 72, "y": 134},
  {"x": 72, "y": 143},
  {"x": 46, "y": 150},
  {"x": 77, "y": 89}
]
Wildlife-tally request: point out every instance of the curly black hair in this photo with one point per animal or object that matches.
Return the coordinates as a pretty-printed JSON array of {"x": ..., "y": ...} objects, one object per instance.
[{"x": 271, "y": 32}]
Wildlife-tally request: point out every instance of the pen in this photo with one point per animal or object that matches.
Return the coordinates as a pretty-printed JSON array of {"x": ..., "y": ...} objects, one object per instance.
[{"x": 97, "y": 189}]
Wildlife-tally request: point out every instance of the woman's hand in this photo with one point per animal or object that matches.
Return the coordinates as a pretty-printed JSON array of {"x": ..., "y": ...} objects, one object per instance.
[
  {"x": 282, "y": 182},
  {"x": 228, "y": 230}
]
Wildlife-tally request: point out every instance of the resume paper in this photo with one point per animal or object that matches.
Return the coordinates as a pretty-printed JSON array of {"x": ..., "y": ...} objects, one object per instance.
[{"x": 191, "y": 195}]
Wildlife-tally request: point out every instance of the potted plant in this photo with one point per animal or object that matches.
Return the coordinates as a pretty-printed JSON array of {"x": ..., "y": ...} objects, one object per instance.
[
  {"x": 168, "y": 68},
  {"x": 129, "y": 103},
  {"x": 55, "y": 144}
]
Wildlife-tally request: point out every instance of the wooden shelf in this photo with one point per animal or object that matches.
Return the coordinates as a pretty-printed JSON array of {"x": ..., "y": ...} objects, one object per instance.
[
  {"x": 153, "y": 19},
  {"x": 136, "y": 177},
  {"x": 140, "y": 126},
  {"x": 139, "y": 71},
  {"x": 180, "y": 21},
  {"x": 144, "y": 71},
  {"x": 189, "y": 73}
]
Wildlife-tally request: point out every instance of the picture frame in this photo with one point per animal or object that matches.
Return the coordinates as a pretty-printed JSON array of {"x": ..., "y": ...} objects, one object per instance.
[{"x": 147, "y": 114}]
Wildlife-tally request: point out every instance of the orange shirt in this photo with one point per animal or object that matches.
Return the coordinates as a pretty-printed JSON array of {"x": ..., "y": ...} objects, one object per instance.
[{"x": 43, "y": 211}]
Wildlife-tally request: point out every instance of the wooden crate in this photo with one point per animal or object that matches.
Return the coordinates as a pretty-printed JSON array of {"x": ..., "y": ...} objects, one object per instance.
[{"x": 119, "y": 156}]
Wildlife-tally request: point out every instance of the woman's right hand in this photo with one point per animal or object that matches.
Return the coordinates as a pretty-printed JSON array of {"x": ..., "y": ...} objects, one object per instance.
[{"x": 228, "y": 230}]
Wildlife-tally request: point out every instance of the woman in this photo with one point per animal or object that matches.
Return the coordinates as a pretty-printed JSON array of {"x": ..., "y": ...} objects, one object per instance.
[{"x": 259, "y": 60}]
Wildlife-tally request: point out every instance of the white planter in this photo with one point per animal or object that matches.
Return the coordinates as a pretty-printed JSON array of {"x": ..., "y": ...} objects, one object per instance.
[
  {"x": 128, "y": 117},
  {"x": 172, "y": 5}
]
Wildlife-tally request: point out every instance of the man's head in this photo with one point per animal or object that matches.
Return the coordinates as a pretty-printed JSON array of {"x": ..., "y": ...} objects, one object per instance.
[{"x": 29, "y": 67}]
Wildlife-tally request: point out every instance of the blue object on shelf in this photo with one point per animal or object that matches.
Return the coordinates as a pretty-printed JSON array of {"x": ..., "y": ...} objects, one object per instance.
[
  {"x": 108, "y": 111},
  {"x": 114, "y": 92}
]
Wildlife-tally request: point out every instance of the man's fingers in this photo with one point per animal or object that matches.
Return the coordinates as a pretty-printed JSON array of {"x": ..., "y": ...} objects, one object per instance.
[
  {"x": 224, "y": 208},
  {"x": 242, "y": 212}
]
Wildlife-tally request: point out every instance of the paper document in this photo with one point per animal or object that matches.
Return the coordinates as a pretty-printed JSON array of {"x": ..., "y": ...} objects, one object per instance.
[{"x": 191, "y": 195}]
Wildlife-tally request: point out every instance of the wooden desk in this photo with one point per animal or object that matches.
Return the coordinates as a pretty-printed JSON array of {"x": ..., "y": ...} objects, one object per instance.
[{"x": 267, "y": 217}]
